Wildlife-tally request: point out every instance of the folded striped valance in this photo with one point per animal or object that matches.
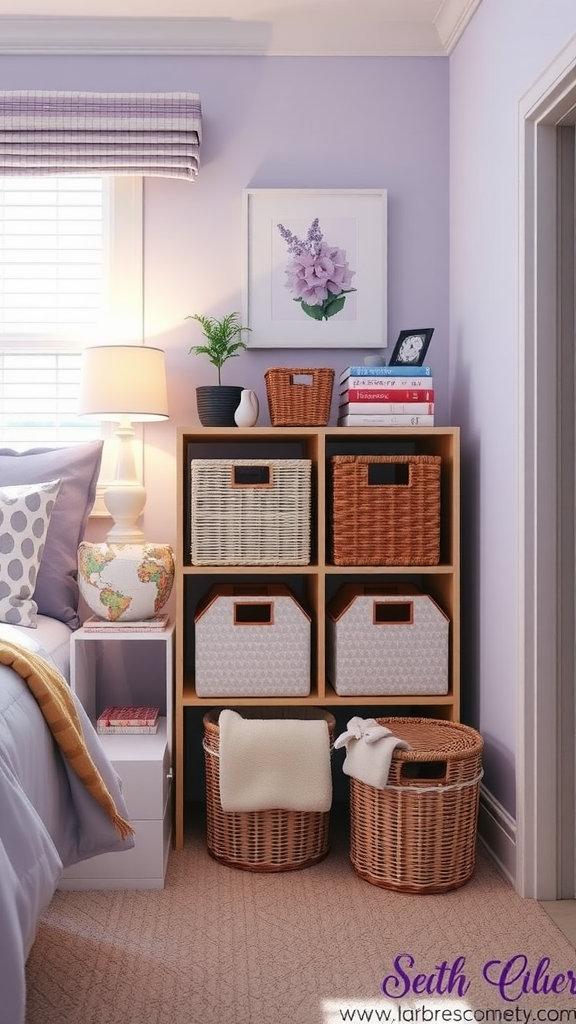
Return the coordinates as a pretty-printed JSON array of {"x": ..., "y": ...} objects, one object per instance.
[{"x": 100, "y": 133}]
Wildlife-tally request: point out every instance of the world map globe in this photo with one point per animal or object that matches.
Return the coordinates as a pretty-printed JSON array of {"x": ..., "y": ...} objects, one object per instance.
[{"x": 125, "y": 582}]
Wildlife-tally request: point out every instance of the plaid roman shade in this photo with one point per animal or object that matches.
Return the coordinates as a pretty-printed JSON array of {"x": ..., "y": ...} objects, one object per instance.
[{"x": 100, "y": 133}]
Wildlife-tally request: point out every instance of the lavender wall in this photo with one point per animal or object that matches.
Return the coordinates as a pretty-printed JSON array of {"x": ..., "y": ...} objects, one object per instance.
[
  {"x": 503, "y": 51},
  {"x": 366, "y": 123},
  {"x": 276, "y": 123}
]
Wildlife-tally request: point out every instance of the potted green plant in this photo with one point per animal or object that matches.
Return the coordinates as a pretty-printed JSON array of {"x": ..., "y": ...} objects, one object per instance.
[{"x": 217, "y": 403}]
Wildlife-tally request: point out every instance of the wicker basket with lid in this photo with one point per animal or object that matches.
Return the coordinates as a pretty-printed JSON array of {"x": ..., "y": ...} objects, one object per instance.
[{"x": 418, "y": 835}]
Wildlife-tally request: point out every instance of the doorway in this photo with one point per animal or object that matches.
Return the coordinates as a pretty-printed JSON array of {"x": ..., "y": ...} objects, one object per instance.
[{"x": 546, "y": 764}]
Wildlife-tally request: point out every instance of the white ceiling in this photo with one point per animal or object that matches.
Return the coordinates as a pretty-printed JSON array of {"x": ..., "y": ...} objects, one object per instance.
[{"x": 274, "y": 27}]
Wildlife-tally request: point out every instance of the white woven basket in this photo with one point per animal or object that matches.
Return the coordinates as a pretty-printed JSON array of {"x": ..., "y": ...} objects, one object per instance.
[
  {"x": 250, "y": 511},
  {"x": 251, "y": 642}
]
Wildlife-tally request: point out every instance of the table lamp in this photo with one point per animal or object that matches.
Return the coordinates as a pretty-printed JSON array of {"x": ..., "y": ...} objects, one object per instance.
[{"x": 125, "y": 384}]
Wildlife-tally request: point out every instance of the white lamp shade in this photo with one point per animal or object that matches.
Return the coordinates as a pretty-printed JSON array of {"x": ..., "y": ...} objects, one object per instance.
[{"x": 123, "y": 381}]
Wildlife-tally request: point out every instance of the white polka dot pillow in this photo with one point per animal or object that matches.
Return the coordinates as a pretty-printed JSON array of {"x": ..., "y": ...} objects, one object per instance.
[{"x": 25, "y": 512}]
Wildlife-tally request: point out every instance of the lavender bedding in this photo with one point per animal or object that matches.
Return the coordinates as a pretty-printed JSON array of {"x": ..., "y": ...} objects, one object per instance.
[{"x": 48, "y": 820}]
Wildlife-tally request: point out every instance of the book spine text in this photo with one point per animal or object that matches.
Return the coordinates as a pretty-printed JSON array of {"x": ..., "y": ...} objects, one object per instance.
[
  {"x": 369, "y": 395},
  {"x": 386, "y": 420},
  {"x": 386, "y": 383},
  {"x": 383, "y": 408},
  {"x": 386, "y": 371}
]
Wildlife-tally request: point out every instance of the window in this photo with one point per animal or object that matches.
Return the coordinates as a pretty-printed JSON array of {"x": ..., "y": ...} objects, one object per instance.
[
  {"x": 70, "y": 275},
  {"x": 38, "y": 399},
  {"x": 52, "y": 254}
]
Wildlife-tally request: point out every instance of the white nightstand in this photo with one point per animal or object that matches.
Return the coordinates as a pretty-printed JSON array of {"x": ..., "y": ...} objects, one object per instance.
[{"x": 129, "y": 667}]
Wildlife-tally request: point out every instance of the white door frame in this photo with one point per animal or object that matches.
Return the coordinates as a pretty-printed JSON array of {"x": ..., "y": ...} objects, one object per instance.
[{"x": 545, "y": 819}]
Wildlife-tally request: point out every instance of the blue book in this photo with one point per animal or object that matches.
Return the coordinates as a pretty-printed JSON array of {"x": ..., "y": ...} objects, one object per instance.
[{"x": 386, "y": 371}]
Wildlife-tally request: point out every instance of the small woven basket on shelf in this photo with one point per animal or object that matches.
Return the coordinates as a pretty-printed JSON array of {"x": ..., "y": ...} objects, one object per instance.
[
  {"x": 270, "y": 840},
  {"x": 386, "y": 509},
  {"x": 418, "y": 835},
  {"x": 299, "y": 403}
]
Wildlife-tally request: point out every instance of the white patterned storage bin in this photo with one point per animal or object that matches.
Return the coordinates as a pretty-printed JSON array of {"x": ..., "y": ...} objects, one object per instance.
[
  {"x": 250, "y": 512},
  {"x": 251, "y": 641},
  {"x": 386, "y": 640}
]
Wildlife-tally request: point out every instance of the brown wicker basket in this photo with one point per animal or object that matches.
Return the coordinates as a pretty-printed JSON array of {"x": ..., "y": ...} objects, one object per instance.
[
  {"x": 294, "y": 403},
  {"x": 376, "y": 522},
  {"x": 271, "y": 840},
  {"x": 418, "y": 835}
]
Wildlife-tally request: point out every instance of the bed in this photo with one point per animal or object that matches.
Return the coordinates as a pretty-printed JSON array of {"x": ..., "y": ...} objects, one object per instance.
[{"x": 48, "y": 818}]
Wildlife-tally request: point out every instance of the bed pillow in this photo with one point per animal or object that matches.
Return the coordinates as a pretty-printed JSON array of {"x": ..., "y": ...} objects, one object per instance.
[
  {"x": 25, "y": 513},
  {"x": 77, "y": 467}
]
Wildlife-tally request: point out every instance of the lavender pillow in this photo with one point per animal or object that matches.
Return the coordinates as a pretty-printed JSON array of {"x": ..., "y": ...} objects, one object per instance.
[{"x": 77, "y": 467}]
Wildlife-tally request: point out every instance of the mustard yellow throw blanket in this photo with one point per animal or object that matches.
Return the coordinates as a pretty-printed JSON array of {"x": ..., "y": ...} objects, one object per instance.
[{"x": 56, "y": 703}]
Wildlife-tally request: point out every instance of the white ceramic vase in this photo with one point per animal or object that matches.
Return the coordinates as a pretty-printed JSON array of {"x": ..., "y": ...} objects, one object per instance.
[{"x": 246, "y": 414}]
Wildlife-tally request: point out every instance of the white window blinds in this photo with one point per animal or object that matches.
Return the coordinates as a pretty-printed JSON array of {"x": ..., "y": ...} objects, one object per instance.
[
  {"x": 39, "y": 399},
  {"x": 100, "y": 133},
  {"x": 70, "y": 275},
  {"x": 52, "y": 236}
]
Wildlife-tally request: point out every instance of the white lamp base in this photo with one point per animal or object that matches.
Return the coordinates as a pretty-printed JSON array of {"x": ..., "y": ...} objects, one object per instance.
[
  {"x": 125, "y": 502},
  {"x": 125, "y": 497}
]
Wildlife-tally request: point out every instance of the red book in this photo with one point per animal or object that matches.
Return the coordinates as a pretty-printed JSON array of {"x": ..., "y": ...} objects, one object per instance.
[
  {"x": 129, "y": 715},
  {"x": 389, "y": 395}
]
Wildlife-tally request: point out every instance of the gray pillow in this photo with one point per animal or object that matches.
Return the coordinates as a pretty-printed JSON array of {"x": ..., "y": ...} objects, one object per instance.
[{"x": 77, "y": 467}]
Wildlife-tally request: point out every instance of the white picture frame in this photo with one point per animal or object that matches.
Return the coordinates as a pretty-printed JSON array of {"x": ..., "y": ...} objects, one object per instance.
[{"x": 353, "y": 228}]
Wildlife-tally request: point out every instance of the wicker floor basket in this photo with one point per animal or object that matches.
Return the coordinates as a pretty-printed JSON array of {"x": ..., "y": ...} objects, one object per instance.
[
  {"x": 385, "y": 523},
  {"x": 418, "y": 835},
  {"x": 271, "y": 840},
  {"x": 294, "y": 403}
]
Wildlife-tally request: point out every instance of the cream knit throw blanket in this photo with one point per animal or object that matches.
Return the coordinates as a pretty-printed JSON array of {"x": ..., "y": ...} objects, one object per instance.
[
  {"x": 274, "y": 764},
  {"x": 55, "y": 701}
]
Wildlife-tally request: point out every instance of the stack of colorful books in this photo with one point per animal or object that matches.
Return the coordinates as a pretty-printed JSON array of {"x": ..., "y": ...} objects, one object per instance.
[{"x": 386, "y": 396}]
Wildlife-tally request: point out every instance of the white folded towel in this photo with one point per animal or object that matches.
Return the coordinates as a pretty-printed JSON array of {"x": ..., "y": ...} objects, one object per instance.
[
  {"x": 369, "y": 749},
  {"x": 279, "y": 763}
]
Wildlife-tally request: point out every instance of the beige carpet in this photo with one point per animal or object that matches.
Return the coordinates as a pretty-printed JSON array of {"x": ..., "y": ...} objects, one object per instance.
[{"x": 222, "y": 946}]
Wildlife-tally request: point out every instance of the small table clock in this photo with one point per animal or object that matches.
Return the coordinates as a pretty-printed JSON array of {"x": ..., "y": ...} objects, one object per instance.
[{"x": 411, "y": 347}]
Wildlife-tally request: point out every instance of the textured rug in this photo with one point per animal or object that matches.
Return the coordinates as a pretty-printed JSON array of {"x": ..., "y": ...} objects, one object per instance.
[{"x": 316, "y": 946}]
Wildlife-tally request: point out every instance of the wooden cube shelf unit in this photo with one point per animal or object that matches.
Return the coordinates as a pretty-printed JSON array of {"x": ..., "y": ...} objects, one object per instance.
[{"x": 314, "y": 584}]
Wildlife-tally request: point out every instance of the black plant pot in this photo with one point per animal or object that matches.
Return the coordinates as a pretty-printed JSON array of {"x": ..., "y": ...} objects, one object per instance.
[{"x": 216, "y": 404}]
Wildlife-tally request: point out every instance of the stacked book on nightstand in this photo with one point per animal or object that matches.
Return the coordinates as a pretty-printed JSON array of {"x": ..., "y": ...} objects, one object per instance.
[
  {"x": 127, "y": 720},
  {"x": 156, "y": 623},
  {"x": 386, "y": 396}
]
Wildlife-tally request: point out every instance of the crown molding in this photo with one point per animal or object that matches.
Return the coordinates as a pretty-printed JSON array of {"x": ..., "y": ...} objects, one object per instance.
[
  {"x": 106, "y": 35},
  {"x": 227, "y": 36},
  {"x": 451, "y": 20},
  {"x": 360, "y": 38}
]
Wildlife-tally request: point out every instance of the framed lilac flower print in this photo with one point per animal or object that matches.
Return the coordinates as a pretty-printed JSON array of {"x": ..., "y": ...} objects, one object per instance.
[{"x": 316, "y": 268}]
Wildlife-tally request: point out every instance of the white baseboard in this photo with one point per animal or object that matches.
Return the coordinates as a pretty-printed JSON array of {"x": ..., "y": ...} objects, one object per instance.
[{"x": 497, "y": 832}]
